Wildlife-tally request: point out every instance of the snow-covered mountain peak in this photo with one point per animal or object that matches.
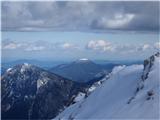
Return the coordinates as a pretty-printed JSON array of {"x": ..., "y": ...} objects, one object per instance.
[{"x": 82, "y": 60}]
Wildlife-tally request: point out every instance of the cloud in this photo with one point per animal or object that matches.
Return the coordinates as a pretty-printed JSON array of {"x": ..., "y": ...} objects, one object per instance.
[
  {"x": 143, "y": 47},
  {"x": 146, "y": 46},
  {"x": 105, "y": 46},
  {"x": 100, "y": 45},
  {"x": 157, "y": 45},
  {"x": 11, "y": 45},
  {"x": 68, "y": 46},
  {"x": 27, "y": 46},
  {"x": 37, "y": 46},
  {"x": 89, "y": 16}
]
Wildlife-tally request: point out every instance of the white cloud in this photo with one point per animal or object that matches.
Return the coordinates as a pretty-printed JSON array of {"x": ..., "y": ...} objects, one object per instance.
[
  {"x": 101, "y": 45},
  {"x": 157, "y": 45},
  {"x": 35, "y": 48},
  {"x": 12, "y": 45},
  {"x": 105, "y": 46},
  {"x": 28, "y": 46},
  {"x": 146, "y": 46},
  {"x": 68, "y": 46},
  {"x": 95, "y": 45},
  {"x": 129, "y": 48},
  {"x": 143, "y": 47}
]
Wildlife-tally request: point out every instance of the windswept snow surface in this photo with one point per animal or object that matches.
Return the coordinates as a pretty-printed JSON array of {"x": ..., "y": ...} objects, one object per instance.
[{"x": 110, "y": 100}]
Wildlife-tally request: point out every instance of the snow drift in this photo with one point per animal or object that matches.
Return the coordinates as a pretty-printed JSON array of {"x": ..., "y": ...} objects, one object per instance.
[{"x": 131, "y": 92}]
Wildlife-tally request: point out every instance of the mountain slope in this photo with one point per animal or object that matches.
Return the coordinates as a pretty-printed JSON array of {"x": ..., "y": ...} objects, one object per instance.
[
  {"x": 82, "y": 70},
  {"x": 131, "y": 92},
  {"x": 31, "y": 92}
]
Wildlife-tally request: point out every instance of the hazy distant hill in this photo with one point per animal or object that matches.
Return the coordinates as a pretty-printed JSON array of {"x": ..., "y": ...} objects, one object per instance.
[
  {"x": 39, "y": 63},
  {"x": 82, "y": 70}
]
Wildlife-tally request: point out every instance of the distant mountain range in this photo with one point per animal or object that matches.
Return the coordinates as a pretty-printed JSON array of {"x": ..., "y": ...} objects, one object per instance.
[
  {"x": 49, "y": 64},
  {"x": 42, "y": 64},
  {"x": 120, "y": 62},
  {"x": 82, "y": 70}
]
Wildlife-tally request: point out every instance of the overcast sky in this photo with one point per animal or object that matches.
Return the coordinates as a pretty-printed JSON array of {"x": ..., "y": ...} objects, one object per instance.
[
  {"x": 70, "y": 30},
  {"x": 99, "y": 16}
]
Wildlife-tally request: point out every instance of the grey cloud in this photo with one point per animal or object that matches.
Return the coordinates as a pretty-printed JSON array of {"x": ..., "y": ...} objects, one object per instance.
[{"x": 91, "y": 16}]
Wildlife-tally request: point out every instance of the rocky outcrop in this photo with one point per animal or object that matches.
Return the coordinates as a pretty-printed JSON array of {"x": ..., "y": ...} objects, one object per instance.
[{"x": 148, "y": 64}]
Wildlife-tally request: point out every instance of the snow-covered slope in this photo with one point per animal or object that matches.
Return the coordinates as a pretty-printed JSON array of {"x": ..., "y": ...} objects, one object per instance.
[{"x": 131, "y": 92}]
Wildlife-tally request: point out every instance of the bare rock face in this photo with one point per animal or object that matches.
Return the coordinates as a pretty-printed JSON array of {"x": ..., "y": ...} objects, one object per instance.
[
  {"x": 148, "y": 63},
  {"x": 29, "y": 92}
]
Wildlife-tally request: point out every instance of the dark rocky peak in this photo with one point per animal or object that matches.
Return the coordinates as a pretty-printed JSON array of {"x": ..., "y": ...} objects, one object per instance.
[{"x": 148, "y": 63}]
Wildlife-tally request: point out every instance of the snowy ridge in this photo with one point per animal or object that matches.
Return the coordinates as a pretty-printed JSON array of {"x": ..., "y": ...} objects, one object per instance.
[{"x": 122, "y": 95}]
